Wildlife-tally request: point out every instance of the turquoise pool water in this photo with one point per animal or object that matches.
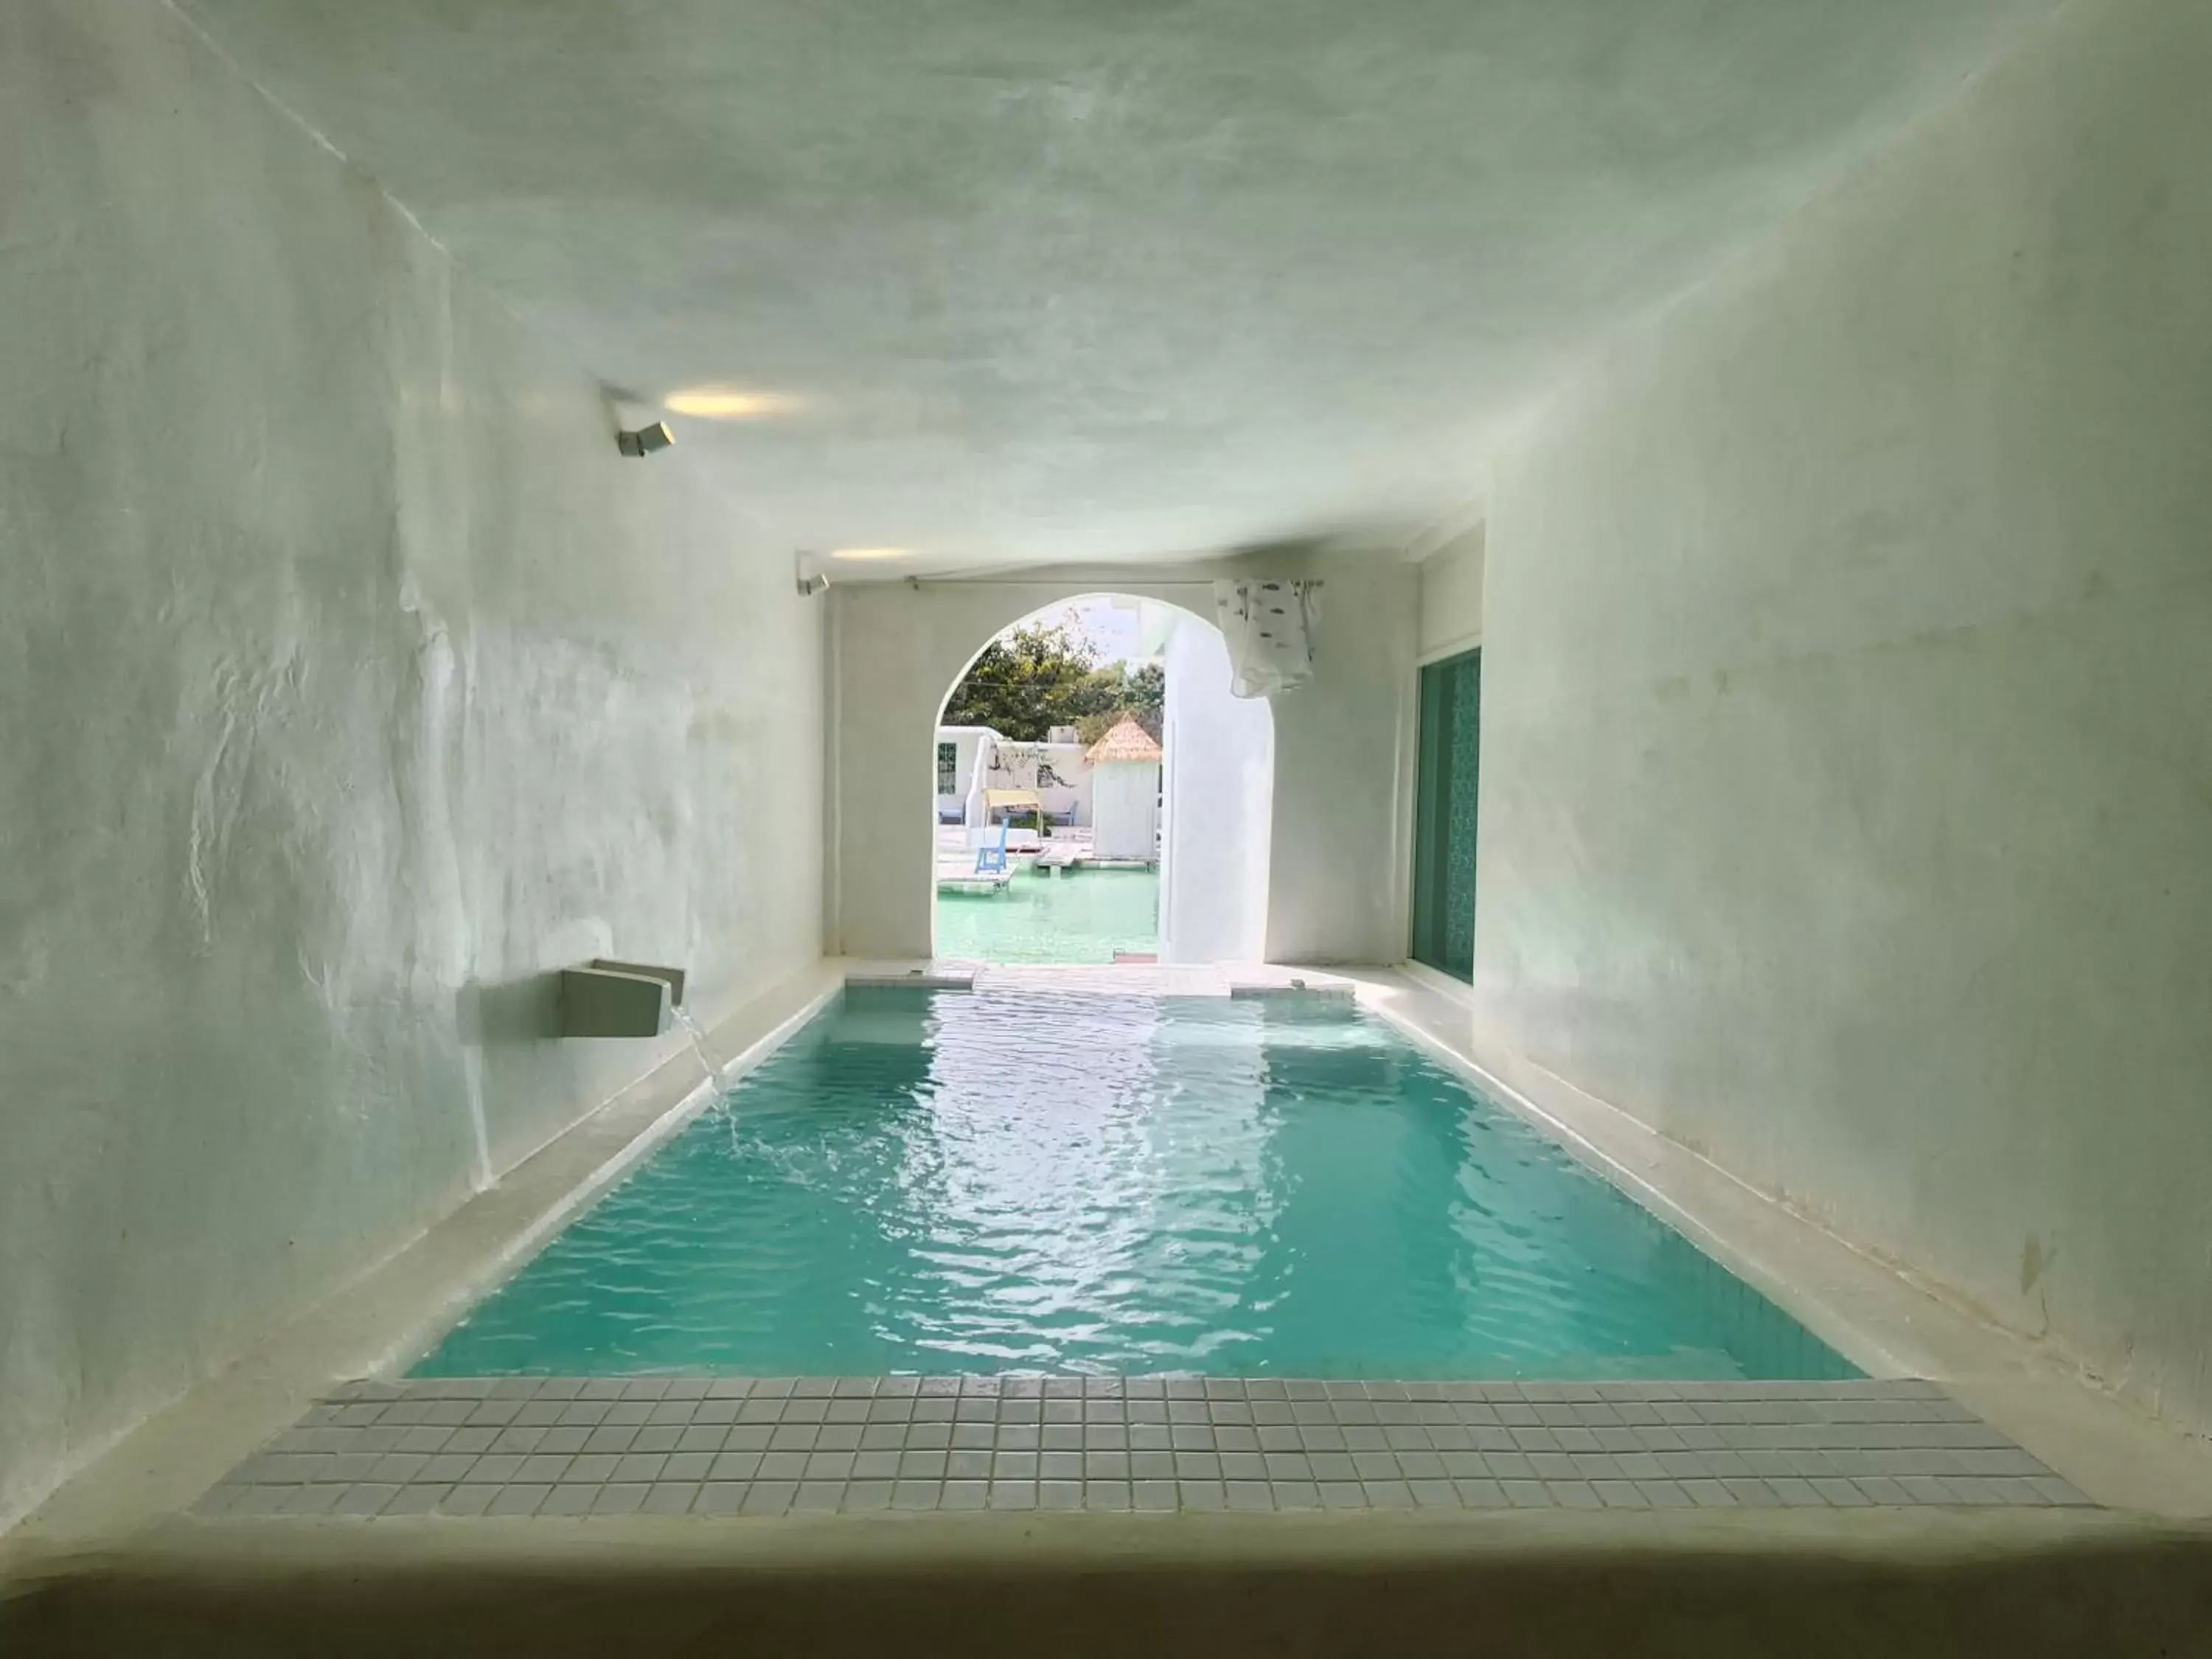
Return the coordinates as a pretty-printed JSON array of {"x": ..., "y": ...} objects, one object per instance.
[
  {"x": 1083, "y": 916},
  {"x": 990, "y": 1182}
]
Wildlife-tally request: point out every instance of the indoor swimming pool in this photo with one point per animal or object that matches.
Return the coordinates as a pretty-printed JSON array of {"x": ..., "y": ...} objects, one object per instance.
[{"x": 1029, "y": 1182}]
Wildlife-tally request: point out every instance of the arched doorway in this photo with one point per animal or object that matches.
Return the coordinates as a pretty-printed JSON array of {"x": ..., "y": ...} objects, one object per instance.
[{"x": 1076, "y": 829}]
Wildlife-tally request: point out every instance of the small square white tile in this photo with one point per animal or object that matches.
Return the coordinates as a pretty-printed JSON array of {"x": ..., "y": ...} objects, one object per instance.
[{"x": 566, "y": 1500}]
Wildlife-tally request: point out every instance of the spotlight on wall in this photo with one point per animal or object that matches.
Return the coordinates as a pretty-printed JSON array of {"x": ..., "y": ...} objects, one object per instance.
[
  {"x": 812, "y": 579},
  {"x": 645, "y": 440}
]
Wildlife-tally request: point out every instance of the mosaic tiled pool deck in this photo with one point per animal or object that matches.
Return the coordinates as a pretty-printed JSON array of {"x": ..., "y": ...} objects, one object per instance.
[{"x": 521, "y": 1446}]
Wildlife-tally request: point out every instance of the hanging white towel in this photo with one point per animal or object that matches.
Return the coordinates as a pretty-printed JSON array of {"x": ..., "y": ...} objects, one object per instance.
[{"x": 1269, "y": 627}]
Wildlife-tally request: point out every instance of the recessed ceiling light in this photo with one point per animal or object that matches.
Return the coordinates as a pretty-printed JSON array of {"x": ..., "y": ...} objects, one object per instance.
[
  {"x": 723, "y": 403},
  {"x": 868, "y": 553}
]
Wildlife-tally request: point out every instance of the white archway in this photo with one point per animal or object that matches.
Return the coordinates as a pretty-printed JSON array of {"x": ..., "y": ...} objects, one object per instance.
[
  {"x": 1343, "y": 746},
  {"x": 1217, "y": 788}
]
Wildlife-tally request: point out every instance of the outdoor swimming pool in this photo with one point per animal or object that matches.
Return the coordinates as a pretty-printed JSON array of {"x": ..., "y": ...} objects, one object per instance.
[
  {"x": 1030, "y": 1183},
  {"x": 1080, "y": 916}
]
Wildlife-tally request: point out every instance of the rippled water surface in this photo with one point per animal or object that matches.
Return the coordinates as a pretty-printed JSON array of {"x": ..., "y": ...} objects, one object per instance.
[{"x": 996, "y": 1183}]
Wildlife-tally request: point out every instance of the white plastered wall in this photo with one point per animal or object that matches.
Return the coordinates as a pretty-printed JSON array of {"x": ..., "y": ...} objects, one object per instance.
[
  {"x": 352, "y": 685},
  {"x": 1847, "y": 739},
  {"x": 1451, "y": 597}
]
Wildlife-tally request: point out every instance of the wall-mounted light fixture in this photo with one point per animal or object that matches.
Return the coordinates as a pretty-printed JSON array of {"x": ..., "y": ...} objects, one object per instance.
[
  {"x": 645, "y": 440},
  {"x": 815, "y": 569}
]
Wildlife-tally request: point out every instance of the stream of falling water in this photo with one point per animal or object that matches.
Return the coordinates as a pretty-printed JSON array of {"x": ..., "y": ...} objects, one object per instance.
[{"x": 698, "y": 1039}]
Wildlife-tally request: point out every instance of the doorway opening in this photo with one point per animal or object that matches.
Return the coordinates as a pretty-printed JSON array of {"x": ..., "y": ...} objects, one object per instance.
[
  {"x": 1085, "y": 755},
  {"x": 1444, "y": 801}
]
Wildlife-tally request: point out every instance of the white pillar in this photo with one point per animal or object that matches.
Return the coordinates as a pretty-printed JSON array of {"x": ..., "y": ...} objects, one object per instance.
[{"x": 1221, "y": 784}]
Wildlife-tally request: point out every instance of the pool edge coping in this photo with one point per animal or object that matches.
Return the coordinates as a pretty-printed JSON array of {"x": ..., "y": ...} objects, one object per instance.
[
  {"x": 401, "y": 1304},
  {"x": 1875, "y": 1314}
]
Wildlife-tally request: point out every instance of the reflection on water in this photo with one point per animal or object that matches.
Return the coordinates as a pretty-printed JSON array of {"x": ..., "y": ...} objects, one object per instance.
[
  {"x": 1084, "y": 915},
  {"x": 994, "y": 1182}
]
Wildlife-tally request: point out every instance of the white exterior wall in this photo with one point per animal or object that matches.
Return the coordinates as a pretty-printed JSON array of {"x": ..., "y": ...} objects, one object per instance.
[
  {"x": 1220, "y": 763},
  {"x": 966, "y": 740},
  {"x": 1022, "y": 765},
  {"x": 1128, "y": 816},
  {"x": 1007, "y": 765},
  {"x": 1847, "y": 707},
  {"x": 351, "y": 684}
]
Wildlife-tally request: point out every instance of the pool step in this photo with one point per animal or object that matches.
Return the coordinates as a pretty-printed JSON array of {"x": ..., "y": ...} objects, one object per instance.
[
  {"x": 1315, "y": 989},
  {"x": 913, "y": 979},
  {"x": 727, "y": 1445}
]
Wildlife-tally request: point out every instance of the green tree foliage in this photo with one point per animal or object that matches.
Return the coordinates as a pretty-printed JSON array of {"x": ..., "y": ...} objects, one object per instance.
[
  {"x": 1046, "y": 674},
  {"x": 1026, "y": 682},
  {"x": 1142, "y": 696},
  {"x": 1148, "y": 694}
]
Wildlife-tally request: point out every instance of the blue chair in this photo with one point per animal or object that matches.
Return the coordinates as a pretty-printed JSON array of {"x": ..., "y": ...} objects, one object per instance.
[{"x": 991, "y": 857}]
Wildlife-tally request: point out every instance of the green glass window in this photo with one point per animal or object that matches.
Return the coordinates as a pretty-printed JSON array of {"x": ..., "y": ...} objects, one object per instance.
[
  {"x": 948, "y": 768},
  {"x": 1443, "y": 815}
]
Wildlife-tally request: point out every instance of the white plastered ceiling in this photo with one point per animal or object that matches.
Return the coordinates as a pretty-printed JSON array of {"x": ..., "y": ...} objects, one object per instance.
[{"x": 1046, "y": 280}]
